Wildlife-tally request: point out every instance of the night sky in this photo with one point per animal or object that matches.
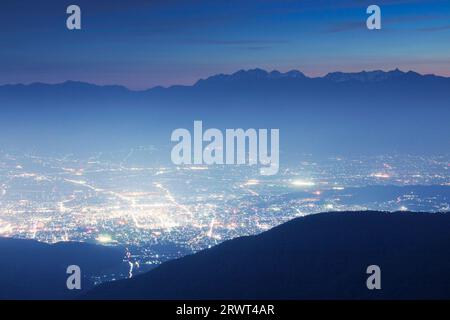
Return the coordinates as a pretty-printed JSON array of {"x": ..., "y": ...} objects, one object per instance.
[{"x": 141, "y": 44}]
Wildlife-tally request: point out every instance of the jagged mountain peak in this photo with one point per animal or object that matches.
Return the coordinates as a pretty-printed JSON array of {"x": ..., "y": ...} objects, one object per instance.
[
  {"x": 252, "y": 74},
  {"x": 368, "y": 76}
]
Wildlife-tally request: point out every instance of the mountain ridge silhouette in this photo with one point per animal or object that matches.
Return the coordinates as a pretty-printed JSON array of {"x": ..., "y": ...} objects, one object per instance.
[
  {"x": 411, "y": 109},
  {"x": 35, "y": 270},
  {"x": 250, "y": 74},
  {"x": 322, "y": 256}
]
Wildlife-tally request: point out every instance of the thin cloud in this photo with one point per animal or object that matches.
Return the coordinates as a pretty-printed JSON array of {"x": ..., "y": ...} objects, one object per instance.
[
  {"x": 435, "y": 29},
  {"x": 256, "y": 48},
  {"x": 346, "y": 26},
  {"x": 234, "y": 42},
  {"x": 354, "y": 25}
]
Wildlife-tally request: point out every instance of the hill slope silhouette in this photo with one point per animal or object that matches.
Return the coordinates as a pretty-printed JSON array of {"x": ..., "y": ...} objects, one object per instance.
[
  {"x": 33, "y": 270},
  {"x": 323, "y": 256}
]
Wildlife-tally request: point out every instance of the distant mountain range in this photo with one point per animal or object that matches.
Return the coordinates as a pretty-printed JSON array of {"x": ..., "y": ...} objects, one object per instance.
[
  {"x": 246, "y": 75},
  {"x": 323, "y": 256},
  {"x": 340, "y": 113},
  {"x": 35, "y": 270},
  {"x": 363, "y": 76}
]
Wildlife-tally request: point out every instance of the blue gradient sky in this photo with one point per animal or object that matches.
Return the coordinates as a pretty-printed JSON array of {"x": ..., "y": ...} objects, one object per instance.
[{"x": 141, "y": 44}]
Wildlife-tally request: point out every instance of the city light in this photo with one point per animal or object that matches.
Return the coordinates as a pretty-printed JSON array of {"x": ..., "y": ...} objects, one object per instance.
[{"x": 303, "y": 183}]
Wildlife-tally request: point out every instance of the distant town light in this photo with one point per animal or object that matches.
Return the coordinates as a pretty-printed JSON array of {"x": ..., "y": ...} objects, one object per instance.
[
  {"x": 251, "y": 182},
  {"x": 380, "y": 175},
  {"x": 104, "y": 238},
  {"x": 303, "y": 183}
]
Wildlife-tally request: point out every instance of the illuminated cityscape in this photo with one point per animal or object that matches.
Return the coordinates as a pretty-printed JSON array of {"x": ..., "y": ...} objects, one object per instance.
[{"x": 163, "y": 212}]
